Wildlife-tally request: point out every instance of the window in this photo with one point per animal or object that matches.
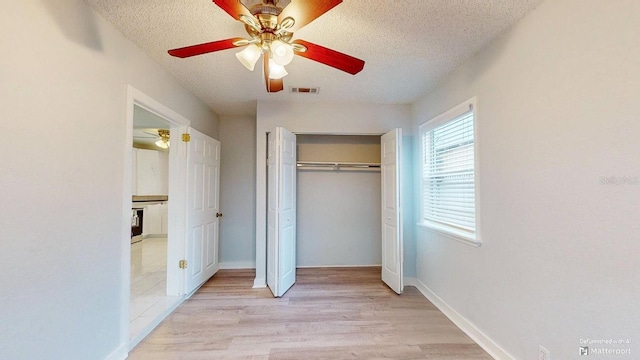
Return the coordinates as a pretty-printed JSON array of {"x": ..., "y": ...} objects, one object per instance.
[{"x": 448, "y": 152}]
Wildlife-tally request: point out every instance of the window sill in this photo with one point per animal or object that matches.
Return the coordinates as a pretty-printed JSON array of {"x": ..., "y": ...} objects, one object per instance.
[{"x": 460, "y": 237}]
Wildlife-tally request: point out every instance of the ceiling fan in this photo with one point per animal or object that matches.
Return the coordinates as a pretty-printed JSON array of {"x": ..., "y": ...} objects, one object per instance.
[
  {"x": 161, "y": 137},
  {"x": 270, "y": 25}
]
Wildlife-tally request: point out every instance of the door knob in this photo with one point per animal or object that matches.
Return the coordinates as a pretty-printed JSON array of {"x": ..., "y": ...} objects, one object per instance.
[{"x": 218, "y": 215}]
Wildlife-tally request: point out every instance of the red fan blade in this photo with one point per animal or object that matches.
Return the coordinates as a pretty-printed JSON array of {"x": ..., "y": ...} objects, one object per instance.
[
  {"x": 305, "y": 11},
  {"x": 330, "y": 57},
  {"x": 273, "y": 85},
  {"x": 204, "y": 48},
  {"x": 233, "y": 8}
]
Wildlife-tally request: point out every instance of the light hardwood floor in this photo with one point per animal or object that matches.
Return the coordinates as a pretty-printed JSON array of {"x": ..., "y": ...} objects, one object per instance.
[{"x": 336, "y": 313}]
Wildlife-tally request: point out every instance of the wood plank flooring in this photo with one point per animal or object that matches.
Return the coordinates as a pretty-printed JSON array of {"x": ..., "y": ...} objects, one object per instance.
[{"x": 335, "y": 313}]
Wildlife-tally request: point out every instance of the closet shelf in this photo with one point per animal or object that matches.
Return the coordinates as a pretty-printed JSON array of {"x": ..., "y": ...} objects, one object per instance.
[{"x": 324, "y": 165}]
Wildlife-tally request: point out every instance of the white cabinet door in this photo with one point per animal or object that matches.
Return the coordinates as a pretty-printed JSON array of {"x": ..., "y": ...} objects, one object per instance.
[
  {"x": 134, "y": 171},
  {"x": 156, "y": 219},
  {"x": 146, "y": 220},
  {"x": 164, "y": 218},
  {"x": 152, "y": 172},
  {"x": 281, "y": 211},
  {"x": 152, "y": 220},
  {"x": 203, "y": 186},
  {"x": 392, "y": 256}
]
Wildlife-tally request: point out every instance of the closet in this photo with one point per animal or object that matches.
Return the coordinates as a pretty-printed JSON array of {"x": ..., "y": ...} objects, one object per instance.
[
  {"x": 333, "y": 200},
  {"x": 338, "y": 200}
]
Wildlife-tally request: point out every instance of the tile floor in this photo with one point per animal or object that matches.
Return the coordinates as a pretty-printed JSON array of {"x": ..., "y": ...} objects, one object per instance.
[{"x": 148, "y": 284}]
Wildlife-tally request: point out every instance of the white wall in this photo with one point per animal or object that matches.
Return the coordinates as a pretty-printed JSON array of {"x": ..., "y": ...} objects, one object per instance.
[
  {"x": 338, "y": 218},
  {"x": 63, "y": 89},
  {"x": 238, "y": 192},
  {"x": 557, "y": 111},
  {"x": 322, "y": 118}
]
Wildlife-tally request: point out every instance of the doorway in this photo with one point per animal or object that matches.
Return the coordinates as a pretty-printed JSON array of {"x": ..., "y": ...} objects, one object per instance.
[
  {"x": 149, "y": 222},
  {"x": 151, "y": 289},
  {"x": 339, "y": 200}
]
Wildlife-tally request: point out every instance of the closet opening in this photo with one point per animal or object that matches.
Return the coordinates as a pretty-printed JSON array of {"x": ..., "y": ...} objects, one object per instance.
[
  {"x": 333, "y": 201},
  {"x": 338, "y": 200}
]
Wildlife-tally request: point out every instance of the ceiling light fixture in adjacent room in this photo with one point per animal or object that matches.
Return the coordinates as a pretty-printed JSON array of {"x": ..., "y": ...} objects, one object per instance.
[{"x": 163, "y": 142}]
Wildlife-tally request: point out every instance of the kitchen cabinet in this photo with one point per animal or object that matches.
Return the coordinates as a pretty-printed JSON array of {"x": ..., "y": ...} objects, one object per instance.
[
  {"x": 156, "y": 219},
  {"x": 150, "y": 172},
  {"x": 134, "y": 172}
]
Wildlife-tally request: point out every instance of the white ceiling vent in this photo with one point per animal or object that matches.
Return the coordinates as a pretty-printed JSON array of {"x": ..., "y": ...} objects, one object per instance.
[{"x": 304, "y": 90}]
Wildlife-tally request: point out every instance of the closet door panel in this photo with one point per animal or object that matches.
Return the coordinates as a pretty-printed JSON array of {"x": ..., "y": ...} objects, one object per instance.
[
  {"x": 281, "y": 216},
  {"x": 392, "y": 256}
]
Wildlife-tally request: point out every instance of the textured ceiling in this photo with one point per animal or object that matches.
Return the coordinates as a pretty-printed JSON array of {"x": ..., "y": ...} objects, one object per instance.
[{"x": 408, "y": 46}]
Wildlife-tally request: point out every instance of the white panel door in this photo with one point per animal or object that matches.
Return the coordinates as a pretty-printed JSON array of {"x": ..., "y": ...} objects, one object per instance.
[
  {"x": 281, "y": 211},
  {"x": 392, "y": 256},
  {"x": 203, "y": 187}
]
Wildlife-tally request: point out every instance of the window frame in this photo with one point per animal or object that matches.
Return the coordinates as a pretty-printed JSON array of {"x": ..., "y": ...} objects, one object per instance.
[{"x": 474, "y": 239}]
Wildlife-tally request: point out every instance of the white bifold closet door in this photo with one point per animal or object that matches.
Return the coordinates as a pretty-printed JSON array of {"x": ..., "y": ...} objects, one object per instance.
[
  {"x": 203, "y": 187},
  {"x": 392, "y": 256},
  {"x": 281, "y": 211}
]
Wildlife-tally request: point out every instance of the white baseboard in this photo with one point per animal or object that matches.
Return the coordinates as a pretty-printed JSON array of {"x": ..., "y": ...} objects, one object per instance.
[
  {"x": 259, "y": 283},
  {"x": 465, "y": 325},
  {"x": 119, "y": 354},
  {"x": 337, "y": 266},
  {"x": 238, "y": 265},
  {"x": 154, "y": 236}
]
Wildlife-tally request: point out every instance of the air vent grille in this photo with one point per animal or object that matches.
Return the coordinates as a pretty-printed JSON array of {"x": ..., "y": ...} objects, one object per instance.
[{"x": 304, "y": 90}]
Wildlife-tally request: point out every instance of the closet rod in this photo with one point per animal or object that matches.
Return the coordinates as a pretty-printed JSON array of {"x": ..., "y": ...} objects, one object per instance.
[{"x": 338, "y": 165}]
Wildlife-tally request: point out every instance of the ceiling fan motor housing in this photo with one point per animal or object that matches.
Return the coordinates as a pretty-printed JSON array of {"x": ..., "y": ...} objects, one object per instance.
[
  {"x": 273, "y": 7},
  {"x": 268, "y": 21}
]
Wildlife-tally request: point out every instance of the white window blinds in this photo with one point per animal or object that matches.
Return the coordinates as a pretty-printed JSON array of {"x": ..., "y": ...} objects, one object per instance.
[{"x": 448, "y": 180}]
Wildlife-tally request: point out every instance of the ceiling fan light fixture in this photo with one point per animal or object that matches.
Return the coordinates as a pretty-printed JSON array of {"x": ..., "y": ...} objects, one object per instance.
[
  {"x": 270, "y": 28},
  {"x": 276, "y": 71},
  {"x": 282, "y": 52},
  {"x": 163, "y": 142},
  {"x": 249, "y": 56}
]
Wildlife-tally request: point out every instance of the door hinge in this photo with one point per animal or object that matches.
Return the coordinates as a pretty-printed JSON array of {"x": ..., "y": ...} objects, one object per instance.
[
  {"x": 186, "y": 137},
  {"x": 182, "y": 264}
]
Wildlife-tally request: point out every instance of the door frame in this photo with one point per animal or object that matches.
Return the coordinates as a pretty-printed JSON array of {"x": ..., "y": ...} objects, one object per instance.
[
  {"x": 177, "y": 206},
  {"x": 260, "y": 280}
]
